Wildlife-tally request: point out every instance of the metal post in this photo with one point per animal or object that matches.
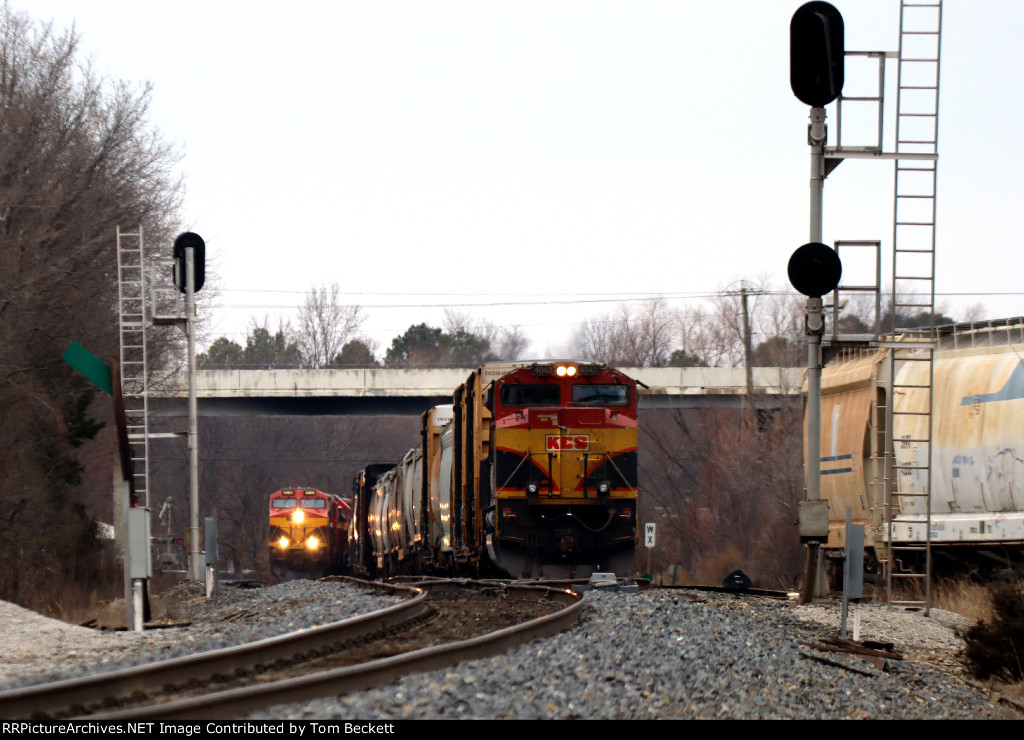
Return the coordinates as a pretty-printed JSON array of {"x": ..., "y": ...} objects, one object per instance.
[
  {"x": 815, "y": 327},
  {"x": 817, "y": 133},
  {"x": 195, "y": 559}
]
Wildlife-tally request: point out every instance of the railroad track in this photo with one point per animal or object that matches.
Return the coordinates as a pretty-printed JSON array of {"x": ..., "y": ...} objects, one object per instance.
[{"x": 187, "y": 688}]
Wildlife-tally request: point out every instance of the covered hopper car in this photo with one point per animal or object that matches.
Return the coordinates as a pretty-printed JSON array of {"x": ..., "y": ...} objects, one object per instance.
[
  {"x": 308, "y": 533},
  {"x": 977, "y": 448},
  {"x": 531, "y": 471}
]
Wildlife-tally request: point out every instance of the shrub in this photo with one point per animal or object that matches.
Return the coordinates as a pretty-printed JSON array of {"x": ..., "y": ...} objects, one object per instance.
[{"x": 996, "y": 648}]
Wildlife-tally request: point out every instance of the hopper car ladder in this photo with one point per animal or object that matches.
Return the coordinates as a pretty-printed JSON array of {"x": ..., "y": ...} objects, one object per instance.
[{"x": 913, "y": 291}]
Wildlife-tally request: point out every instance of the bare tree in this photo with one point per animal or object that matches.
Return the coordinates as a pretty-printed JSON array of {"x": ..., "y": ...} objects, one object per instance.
[
  {"x": 596, "y": 340},
  {"x": 326, "y": 325},
  {"x": 703, "y": 338},
  {"x": 634, "y": 337},
  {"x": 77, "y": 160},
  {"x": 511, "y": 343},
  {"x": 503, "y": 343}
]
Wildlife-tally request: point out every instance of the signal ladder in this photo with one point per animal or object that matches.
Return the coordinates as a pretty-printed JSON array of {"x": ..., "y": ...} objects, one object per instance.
[
  {"x": 131, "y": 281},
  {"x": 911, "y": 363},
  {"x": 906, "y": 482}
]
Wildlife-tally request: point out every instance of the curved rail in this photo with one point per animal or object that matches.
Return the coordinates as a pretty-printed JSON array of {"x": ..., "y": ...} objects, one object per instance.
[
  {"x": 74, "y": 694},
  {"x": 235, "y": 702}
]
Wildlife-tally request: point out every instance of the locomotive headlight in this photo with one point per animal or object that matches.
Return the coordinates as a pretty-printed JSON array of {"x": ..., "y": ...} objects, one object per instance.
[
  {"x": 282, "y": 543},
  {"x": 604, "y": 487},
  {"x": 312, "y": 543},
  {"x": 565, "y": 371},
  {"x": 532, "y": 488},
  {"x": 298, "y": 516}
]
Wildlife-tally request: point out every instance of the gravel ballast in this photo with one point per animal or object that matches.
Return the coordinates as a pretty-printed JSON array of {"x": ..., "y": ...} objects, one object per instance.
[{"x": 656, "y": 654}]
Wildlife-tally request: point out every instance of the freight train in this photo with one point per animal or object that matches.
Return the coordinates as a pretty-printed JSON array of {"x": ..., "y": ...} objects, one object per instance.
[
  {"x": 977, "y": 448},
  {"x": 531, "y": 471},
  {"x": 308, "y": 533}
]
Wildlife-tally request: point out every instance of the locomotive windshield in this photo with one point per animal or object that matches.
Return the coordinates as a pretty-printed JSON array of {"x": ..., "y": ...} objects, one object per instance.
[
  {"x": 600, "y": 394},
  {"x": 283, "y": 503},
  {"x": 314, "y": 503},
  {"x": 530, "y": 394}
]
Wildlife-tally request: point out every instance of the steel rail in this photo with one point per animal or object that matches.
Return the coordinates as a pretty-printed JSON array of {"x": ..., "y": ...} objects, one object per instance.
[
  {"x": 73, "y": 694},
  {"x": 237, "y": 702}
]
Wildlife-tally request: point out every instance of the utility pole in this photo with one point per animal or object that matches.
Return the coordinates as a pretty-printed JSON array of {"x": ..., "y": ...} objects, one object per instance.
[{"x": 746, "y": 349}]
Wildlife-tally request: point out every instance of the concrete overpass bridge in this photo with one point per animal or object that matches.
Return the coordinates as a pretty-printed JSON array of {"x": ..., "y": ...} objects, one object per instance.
[{"x": 383, "y": 391}]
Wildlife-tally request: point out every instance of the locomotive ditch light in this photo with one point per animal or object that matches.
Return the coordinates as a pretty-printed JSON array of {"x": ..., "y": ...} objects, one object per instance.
[
  {"x": 282, "y": 543},
  {"x": 532, "y": 488},
  {"x": 604, "y": 487},
  {"x": 312, "y": 543}
]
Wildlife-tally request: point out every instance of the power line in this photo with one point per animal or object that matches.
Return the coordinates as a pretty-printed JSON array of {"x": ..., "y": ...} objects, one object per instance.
[{"x": 582, "y": 300}]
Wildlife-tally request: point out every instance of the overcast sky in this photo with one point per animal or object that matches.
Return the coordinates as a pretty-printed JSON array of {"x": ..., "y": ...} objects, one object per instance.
[{"x": 535, "y": 163}]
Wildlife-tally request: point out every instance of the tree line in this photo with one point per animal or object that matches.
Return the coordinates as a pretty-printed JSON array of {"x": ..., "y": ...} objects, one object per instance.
[
  {"x": 328, "y": 335},
  {"x": 757, "y": 326}
]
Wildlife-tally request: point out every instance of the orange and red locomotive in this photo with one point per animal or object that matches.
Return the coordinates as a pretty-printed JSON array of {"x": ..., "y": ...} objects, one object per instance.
[
  {"x": 308, "y": 533},
  {"x": 550, "y": 468}
]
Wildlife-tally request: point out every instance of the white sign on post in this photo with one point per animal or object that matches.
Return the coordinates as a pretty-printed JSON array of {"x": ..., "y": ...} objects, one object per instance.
[{"x": 648, "y": 535}]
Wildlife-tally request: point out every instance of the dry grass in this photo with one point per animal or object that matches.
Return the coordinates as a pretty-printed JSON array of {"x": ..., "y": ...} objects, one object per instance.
[
  {"x": 960, "y": 595},
  {"x": 963, "y": 596}
]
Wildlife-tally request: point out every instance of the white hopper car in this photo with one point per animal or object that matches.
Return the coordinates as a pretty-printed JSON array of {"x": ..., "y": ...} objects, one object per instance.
[{"x": 977, "y": 470}]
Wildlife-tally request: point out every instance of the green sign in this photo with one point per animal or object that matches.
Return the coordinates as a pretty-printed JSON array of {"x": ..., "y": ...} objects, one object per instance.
[{"x": 89, "y": 365}]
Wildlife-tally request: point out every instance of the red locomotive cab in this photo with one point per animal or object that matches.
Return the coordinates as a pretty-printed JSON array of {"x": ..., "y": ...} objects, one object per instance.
[
  {"x": 566, "y": 430},
  {"x": 303, "y": 533}
]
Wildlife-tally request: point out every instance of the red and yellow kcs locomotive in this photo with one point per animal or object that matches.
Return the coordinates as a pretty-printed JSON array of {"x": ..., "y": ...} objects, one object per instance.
[
  {"x": 532, "y": 471},
  {"x": 308, "y": 533}
]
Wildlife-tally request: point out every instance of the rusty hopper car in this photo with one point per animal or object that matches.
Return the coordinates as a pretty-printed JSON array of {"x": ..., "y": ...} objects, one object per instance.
[
  {"x": 531, "y": 471},
  {"x": 977, "y": 469},
  {"x": 308, "y": 533}
]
